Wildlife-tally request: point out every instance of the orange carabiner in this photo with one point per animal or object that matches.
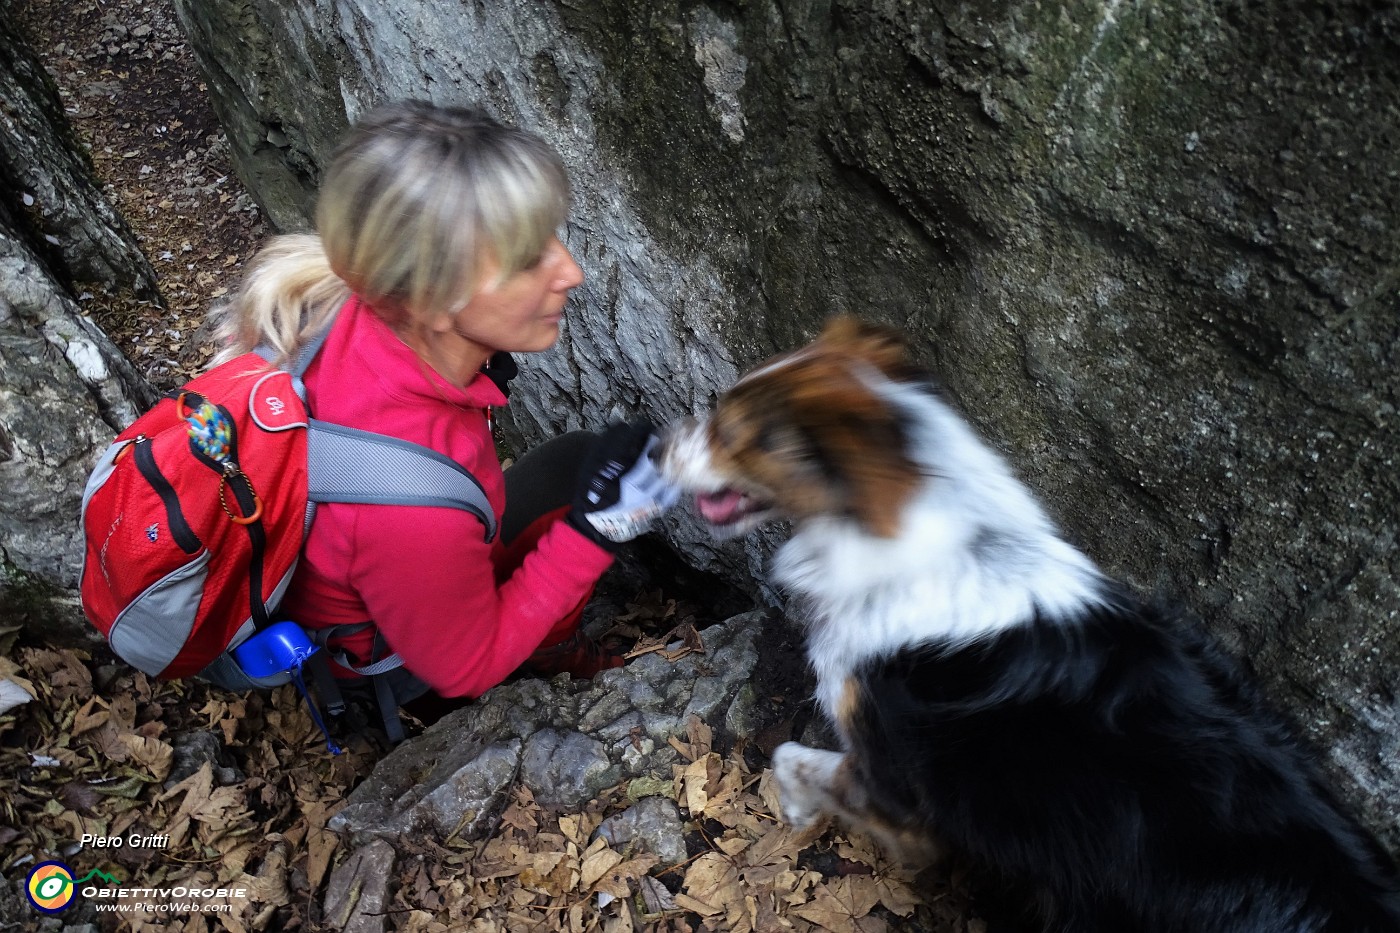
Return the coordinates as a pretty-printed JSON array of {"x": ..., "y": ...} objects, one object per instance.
[
  {"x": 223, "y": 500},
  {"x": 126, "y": 448},
  {"x": 249, "y": 519}
]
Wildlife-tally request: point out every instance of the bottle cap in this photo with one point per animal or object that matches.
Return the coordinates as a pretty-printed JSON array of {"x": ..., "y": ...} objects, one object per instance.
[{"x": 278, "y": 649}]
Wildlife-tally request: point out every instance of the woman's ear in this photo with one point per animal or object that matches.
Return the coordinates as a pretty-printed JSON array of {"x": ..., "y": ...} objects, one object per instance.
[{"x": 441, "y": 322}]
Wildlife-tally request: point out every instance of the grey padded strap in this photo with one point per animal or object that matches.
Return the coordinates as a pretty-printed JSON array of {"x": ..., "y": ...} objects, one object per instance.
[
  {"x": 304, "y": 356},
  {"x": 382, "y": 666},
  {"x": 349, "y": 465},
  {"x": 308, "y": 353},
  {"x": 323, "y": 636}
]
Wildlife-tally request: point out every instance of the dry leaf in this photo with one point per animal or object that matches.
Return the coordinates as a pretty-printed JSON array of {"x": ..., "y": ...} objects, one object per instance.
[
  {"x": 80, "y": 797},
  {"x": 598, "y": 861},
  {"x": 63, "y": 672},
  {"x": 123, "y": 711},
  {"x": 619, "y": 879},
  {"x": 152, "y": 754},
  {"x": 655, "y": 897},
  {"x": 842, "y": 906},
  {"x": 686, "y": 902},
  {"x": 694, "y": 779},
  {"x": 321, "y": 844},
  {"x": 90, "y": 715}
]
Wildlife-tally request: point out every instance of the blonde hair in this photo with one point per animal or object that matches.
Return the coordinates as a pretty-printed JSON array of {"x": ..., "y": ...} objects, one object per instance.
[{"x": 418, "y": 200}]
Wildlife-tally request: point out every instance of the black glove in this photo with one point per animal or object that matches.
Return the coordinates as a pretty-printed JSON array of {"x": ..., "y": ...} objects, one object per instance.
[
  {"x": 620, "y": 493},
  {"x": 501, "y": 369}
]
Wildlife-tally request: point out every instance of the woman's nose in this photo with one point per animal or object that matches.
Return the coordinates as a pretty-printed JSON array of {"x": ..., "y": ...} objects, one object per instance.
[{"x": 568, "y": 274}]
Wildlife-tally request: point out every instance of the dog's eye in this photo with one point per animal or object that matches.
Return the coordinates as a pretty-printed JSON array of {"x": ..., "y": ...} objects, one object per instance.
[
  {"x": 726, "y": 432},
  {"x": 771, "y": 439}
]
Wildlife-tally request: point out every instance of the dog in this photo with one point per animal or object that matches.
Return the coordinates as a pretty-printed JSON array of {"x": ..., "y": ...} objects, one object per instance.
[{"x": 993, "y": 692}]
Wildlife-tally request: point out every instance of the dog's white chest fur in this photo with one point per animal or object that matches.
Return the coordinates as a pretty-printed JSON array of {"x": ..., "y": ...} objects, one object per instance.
[{"x": 974, "y": 555}]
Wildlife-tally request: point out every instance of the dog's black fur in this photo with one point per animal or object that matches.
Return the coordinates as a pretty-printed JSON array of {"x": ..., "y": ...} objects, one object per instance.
[{"x": 1121, "y": 773}]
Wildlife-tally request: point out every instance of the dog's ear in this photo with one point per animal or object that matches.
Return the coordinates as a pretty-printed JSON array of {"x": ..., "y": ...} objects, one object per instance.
[
  {"x": 880, "y": 346},
  {"x": 871, "y": 468},
  {"x": 858, "y": 442}
]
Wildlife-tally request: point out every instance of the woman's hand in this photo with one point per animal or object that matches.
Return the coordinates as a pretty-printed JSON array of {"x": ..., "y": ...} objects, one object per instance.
[{"x": 620, "y": 492}]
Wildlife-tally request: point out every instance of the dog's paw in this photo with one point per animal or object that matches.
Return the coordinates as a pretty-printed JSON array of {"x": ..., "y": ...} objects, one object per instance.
[{"x": 802, "y": 774}]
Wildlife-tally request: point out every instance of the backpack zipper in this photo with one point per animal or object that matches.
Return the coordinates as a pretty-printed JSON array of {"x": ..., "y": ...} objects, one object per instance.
[
  {"x": 180, "y": 529},
  {"x": 247, "y": 503},
  {"x": 228, "y": 468}
]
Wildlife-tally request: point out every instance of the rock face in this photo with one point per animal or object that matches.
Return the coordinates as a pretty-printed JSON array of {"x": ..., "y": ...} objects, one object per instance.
[
  {"x": 50, "y": 197},
  {"x": 565, "y": 740},
  {"x": 65, "y": 390},
  {"x": 1151, "y": 248}
]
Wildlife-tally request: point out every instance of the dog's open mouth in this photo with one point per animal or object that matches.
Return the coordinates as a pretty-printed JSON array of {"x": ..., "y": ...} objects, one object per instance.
[{"x": 731, "y": 510}]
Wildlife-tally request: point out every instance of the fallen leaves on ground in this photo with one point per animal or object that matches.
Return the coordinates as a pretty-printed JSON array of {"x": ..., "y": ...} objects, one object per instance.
[
  {"x": 753, "y": 874},
  {"x": 93, "y": 755},
  {"x": 95, "y": 752}
]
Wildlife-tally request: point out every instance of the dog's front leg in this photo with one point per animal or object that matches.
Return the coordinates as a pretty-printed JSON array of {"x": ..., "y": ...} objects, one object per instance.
[{"x": 812, "y": 782}]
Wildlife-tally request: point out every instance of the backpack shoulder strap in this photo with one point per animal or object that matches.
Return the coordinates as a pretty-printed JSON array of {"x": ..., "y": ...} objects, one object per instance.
[{"x": 350, "y": 465}]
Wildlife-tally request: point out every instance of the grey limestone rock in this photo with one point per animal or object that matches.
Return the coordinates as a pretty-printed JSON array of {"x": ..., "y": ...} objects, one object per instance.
[
  {"x": 652, "y": 824},
  {"x": 568, "y": 768},
  {"x": 565, "y": 740},
  {"x": 357, "y": 894},
  {"x": 65, "y": 389}
]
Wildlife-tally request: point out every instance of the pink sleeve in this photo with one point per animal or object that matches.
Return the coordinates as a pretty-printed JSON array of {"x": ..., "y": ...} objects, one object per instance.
[{"x": 427, "y": 579}]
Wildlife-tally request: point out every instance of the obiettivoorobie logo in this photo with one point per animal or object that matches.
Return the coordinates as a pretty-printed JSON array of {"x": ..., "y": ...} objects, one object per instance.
[
  {"x": 51, "y": 888},
  {"x": 51, "y": 885}
]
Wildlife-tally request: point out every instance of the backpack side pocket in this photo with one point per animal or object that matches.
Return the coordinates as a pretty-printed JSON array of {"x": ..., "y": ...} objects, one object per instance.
[{"x": 152, "y": 631}]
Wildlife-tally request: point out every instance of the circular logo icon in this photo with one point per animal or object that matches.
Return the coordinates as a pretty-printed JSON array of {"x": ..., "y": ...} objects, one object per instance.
[{"x": 50, "y": 887}]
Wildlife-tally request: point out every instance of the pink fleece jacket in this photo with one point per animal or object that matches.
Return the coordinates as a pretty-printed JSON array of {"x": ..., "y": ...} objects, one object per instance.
[{"x": 443, "y": 598}]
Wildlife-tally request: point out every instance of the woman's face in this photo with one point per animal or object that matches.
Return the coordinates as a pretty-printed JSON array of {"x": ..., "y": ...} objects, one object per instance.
[{"x": 521, "y": 314}]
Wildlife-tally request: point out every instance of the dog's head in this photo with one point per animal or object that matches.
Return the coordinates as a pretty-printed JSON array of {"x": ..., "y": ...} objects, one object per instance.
[{"x": 805, "y": 435}]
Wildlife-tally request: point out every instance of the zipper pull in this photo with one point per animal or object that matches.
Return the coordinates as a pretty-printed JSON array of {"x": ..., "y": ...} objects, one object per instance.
[{"x": 127, "y": 447}]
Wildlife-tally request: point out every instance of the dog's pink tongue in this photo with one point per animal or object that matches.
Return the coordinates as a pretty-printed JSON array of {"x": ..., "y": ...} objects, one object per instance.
[{"x": 719, "y": 508}]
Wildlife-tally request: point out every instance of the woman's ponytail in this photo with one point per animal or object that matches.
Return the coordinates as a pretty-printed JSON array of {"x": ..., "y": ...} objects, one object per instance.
[{"x": 288, "y": 294}]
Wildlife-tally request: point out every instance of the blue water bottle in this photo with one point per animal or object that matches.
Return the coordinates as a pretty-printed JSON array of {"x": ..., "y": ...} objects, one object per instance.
[{"x": 280, "y": 649}]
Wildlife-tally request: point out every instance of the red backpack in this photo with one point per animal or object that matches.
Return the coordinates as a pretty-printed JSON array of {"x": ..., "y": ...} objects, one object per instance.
[{"x": 195, "y": 516}]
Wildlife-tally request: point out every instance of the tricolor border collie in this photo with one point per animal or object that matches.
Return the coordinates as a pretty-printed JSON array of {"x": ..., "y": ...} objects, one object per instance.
[{"x": 994, "y": 693}]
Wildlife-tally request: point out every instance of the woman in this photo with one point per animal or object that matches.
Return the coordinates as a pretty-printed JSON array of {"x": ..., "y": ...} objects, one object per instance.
[{"x": 436, "y": 255}]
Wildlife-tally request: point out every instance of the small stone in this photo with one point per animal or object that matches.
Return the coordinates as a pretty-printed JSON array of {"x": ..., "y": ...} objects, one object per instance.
[
  {"x": 357, "y": 894},
  {"x": 195, "y": 749},
  {"x": 652, "y": 825}
]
